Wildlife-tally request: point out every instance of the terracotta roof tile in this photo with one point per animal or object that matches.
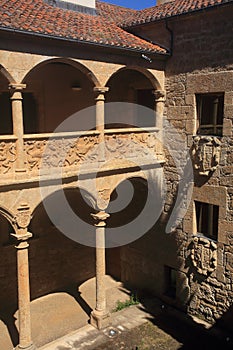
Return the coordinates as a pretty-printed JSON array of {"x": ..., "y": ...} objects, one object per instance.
[
  {"x": 114, "y": 13},
  {"x": 169, "y": 9},
  {"x": 39, "y": 17}
]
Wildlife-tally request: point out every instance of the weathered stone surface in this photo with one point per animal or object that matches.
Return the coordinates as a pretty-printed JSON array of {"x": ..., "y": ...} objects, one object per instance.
[{"x": 201, "y": 63}]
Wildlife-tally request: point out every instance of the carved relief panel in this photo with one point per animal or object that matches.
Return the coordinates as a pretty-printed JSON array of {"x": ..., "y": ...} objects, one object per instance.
[
  {"x": 7, "y": 156},
  {"x": 206, "y": 154},
  {"x": 204, "y": 255},
  {"x": 133, "y": 145}
]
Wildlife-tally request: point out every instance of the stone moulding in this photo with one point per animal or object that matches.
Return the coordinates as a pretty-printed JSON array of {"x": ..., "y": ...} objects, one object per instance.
[
  {"x": 204, "y": 255},
  {"x": 205, "y": 153}
]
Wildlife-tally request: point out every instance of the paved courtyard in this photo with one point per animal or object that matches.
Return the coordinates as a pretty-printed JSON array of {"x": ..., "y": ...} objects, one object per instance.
[
  {"x": 147, "y": 326},
  {"x": 154, "y": 327}
]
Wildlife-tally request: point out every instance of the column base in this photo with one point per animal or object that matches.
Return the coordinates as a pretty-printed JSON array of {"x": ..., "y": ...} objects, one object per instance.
[
  {"x": 29, "y": 347},
  {"x": 100, "y": 319}
]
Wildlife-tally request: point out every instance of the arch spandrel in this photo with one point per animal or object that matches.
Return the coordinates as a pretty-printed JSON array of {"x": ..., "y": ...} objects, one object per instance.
[
  {"x": 107, "y": 184},
  {"x": 102, "y": 70},
  {"x": 10, "y": 217},
  {"x": 6, "y": 74},
  {"x": 38, "y": 200}
]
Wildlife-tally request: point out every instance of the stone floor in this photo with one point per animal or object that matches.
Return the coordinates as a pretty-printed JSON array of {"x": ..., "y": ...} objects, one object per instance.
[
  {"x": 60, "y": 322},
  {"x": 154, "y": 327},
  {"x": 56, "y": 314}
]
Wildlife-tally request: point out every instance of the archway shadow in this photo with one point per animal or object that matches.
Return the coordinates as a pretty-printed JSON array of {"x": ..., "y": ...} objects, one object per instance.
[
  {"x": 75, "y": 292},
  {"x": 7, "y": 316}
]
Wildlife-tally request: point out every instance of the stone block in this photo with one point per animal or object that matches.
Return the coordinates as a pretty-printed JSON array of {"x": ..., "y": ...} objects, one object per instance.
[
  {"x": 229, "y": 261},
  {"x": 211, "y": 194},
  {"x": 228, "y": 98},
  {"x": 214, "y": 82},
  {"x": 225, "y": 232},
  {"x": 180, "y": 112},
  {"x": 228, "y": 111},
  {"x": 190, "y": 99},
  {"x": 220, "y": 274},
  {"x": 227, "y": 127},
  {"x": 190, "y": 127}
]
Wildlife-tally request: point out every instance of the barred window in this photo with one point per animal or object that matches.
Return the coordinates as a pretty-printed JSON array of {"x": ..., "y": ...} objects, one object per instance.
[
  {"x": 207, "y": 219},
  {"x": 210, "y": 113}
]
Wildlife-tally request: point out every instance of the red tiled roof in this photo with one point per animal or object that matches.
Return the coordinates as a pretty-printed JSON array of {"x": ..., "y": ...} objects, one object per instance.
[
  {"x": 36, "y": 16},
  {"x": 169, "y": 9},
  {"x": 114, "y": 13}
]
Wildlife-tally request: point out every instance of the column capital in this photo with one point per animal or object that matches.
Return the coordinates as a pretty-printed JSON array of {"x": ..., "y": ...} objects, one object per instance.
[
  {"x": 101, "y": 89},
  {"x": 100, "y": 218},
  {"x": 17, "y": 87},
  {"x": 22, "y": 240},
  {"x": 160, "y": 95}
]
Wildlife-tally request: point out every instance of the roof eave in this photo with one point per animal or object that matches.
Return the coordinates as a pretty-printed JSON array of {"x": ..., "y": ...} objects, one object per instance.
[{"x": 84, "y": 42}]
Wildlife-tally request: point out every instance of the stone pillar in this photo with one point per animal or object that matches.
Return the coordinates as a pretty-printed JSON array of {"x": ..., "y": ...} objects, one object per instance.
[
  {"x": 100, "y": 315},
  {"x": 17, "y": 119},
  {"x": 22, "y": 236},
  {"x": 159, "y": 107},
  {"x": 100, "y": 120}
]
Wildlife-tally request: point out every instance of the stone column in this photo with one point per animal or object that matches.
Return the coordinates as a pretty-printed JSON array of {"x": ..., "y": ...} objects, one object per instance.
[
  {"x": 159, "y": 107},
  {"x": 100, "y": 315},
  {"x": 100, "y": 120},
  {"x": 22, "y": 236},
  {"x": 17, "y": 119}
]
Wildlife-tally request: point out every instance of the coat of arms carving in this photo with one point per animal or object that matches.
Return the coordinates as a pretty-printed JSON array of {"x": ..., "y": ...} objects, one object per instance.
[
  {"x": 206, "y": 154},
  {"x": 204, "y": 255}
]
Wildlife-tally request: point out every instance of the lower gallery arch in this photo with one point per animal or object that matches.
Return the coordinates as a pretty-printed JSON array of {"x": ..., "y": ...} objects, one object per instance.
[
  {"x": 59, "y": 268},
  {"x": 140, "y": 265},
  {"x": 8, "y": 284},
  {"x": 122, "y": 214},
  {"x": 62, "y": 271}
]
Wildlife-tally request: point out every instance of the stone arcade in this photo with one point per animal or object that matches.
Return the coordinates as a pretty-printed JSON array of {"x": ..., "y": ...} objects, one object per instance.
[{"x": 60, "y": 58}]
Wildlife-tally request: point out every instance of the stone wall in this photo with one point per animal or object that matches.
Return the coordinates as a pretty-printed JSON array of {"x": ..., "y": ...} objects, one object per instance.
[{"x": 201, "y": 63}]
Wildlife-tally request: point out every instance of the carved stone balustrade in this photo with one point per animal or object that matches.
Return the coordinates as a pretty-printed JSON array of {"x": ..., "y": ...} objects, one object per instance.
[
  {"x": 60, "y": 151},
  {"x": 140, "y": 144},
  {"x": 69, "y": 151}
]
